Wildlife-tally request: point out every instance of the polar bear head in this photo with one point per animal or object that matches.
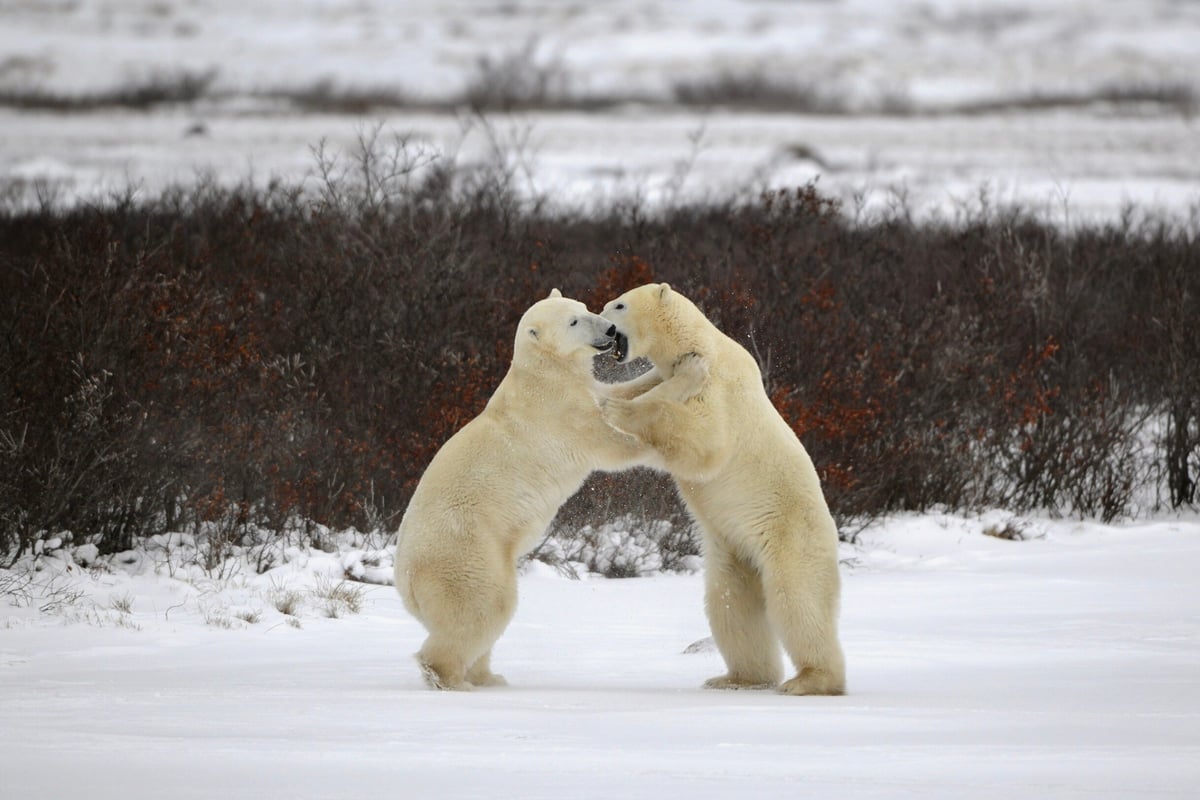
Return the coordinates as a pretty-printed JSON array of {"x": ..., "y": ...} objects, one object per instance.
[
  {"x": 650, "y": 319},
  {"x": 562, "y": 329}
]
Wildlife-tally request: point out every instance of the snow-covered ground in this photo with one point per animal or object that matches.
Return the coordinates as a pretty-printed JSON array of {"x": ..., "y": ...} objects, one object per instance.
[
  {"x": 1064, "y": 665},
  {"x": 926, "y": 53},
  {"x": 1080, "y": 162},
  {"x": 1068, "y": 167}
]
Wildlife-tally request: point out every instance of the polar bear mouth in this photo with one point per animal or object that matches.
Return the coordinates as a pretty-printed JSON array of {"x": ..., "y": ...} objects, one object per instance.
[{"x": 620, "y": 347}]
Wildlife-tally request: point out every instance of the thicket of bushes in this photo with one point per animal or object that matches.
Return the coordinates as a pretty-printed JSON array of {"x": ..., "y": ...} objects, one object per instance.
[{"x": 234, "y": 361}]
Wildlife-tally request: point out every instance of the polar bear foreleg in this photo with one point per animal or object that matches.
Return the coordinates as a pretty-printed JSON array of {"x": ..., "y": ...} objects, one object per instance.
[
  {"x": 628, "y": 390},
  {"x": 687, "y": 380},
  {"x": 666, "y": 426},
  {"x": 689, "y": 375},
  {"x": 664, "y": 419},
  {"x": 737, "y": 614}
]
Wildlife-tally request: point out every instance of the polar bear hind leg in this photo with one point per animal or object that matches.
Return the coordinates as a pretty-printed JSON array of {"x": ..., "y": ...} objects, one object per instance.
[
  {"x": 799, "y": 611},
  {"x": 480, "y": 673},
  {"x": 442, "y": 664},
  {"x": 737, "y": 614},
  {"x": 464, "y": 621}
]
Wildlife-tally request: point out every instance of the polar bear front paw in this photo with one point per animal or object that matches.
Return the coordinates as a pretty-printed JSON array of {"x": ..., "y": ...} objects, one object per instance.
[
  {"x": 690, "y": 372},
  {"x": 617, "y": 415}
]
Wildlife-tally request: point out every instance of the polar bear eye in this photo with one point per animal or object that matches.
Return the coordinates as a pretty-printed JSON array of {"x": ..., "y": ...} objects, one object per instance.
[
  {"x": 574, "y": 322},
  {"x": 619, "y": 306}
]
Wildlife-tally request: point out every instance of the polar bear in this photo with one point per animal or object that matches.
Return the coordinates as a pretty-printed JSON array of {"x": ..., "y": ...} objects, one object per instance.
[
  {"x": 770, "y": 543},
  {"x": 493, "y": 488}
]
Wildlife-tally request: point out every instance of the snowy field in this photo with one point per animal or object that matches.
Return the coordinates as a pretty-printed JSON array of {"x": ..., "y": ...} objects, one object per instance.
[
  {"x": 1067, "y": 167},
  {"x": 1066, "y": 665},
  {"x": 911, "y": 80}
]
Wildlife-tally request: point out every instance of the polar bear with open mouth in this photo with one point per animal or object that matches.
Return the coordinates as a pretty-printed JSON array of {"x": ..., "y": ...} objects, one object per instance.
[{"x": 493, "y": 488}]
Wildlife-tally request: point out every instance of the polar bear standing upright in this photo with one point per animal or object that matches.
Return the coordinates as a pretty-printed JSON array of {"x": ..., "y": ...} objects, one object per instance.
[
  {"x": 770, "y": 543},
  {"x": 490, "y": 492}
]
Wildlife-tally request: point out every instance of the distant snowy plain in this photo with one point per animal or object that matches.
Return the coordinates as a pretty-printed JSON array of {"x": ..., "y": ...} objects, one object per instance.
[
  {"x": 1079, "y": 162},
  {"x": 1065, "y": 666}
]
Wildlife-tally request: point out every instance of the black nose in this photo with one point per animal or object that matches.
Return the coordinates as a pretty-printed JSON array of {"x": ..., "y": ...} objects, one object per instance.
[{"x": 611, "y": 332}]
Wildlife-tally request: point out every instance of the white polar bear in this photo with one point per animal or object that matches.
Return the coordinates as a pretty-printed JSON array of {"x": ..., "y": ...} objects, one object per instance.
[
  {"x": 770, "y": 543},
  {"x": 493, "y": 488}
]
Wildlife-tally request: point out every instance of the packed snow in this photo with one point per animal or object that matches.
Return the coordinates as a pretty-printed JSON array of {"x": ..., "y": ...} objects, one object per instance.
[{"x": 1061, "y": 662}]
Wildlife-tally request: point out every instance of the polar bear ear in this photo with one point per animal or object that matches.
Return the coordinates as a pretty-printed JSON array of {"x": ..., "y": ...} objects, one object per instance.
[
  {"x": 664, "y": 291},
  {"x": 555, "y": 293}
]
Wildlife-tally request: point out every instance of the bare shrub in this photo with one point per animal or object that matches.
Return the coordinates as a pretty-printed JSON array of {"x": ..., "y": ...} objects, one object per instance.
[
  {"x": 325, "y": 97},
  {"x": 338, "y": 598},
  {"x": 248, "y": 365},
  {"x": 516, "y": 80},
  {"x": 164, "y": 89},
  {"x": 286, "y": 601},
  {"x": 756, "y": 90},
  {"x": 249, "y": 616},
  {"x": 122, "y": 603},
  {"x": 218, "y": 618}
]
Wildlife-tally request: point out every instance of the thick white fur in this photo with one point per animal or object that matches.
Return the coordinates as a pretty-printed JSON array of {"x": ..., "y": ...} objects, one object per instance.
[
  {"x": 490, "y": 492},
  {"x": 770, "y": 543}
]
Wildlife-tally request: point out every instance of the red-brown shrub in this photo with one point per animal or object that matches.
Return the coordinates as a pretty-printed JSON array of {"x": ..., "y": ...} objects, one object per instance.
[{"x": 256, "y": 358}]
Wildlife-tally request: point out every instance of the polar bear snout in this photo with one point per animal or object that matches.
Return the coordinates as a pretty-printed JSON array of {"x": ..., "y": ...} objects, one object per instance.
[{"x": 609, "y": 342}]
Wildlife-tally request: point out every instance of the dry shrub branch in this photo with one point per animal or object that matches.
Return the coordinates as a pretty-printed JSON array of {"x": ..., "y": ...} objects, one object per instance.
[{"x": 226, "y": 360}]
